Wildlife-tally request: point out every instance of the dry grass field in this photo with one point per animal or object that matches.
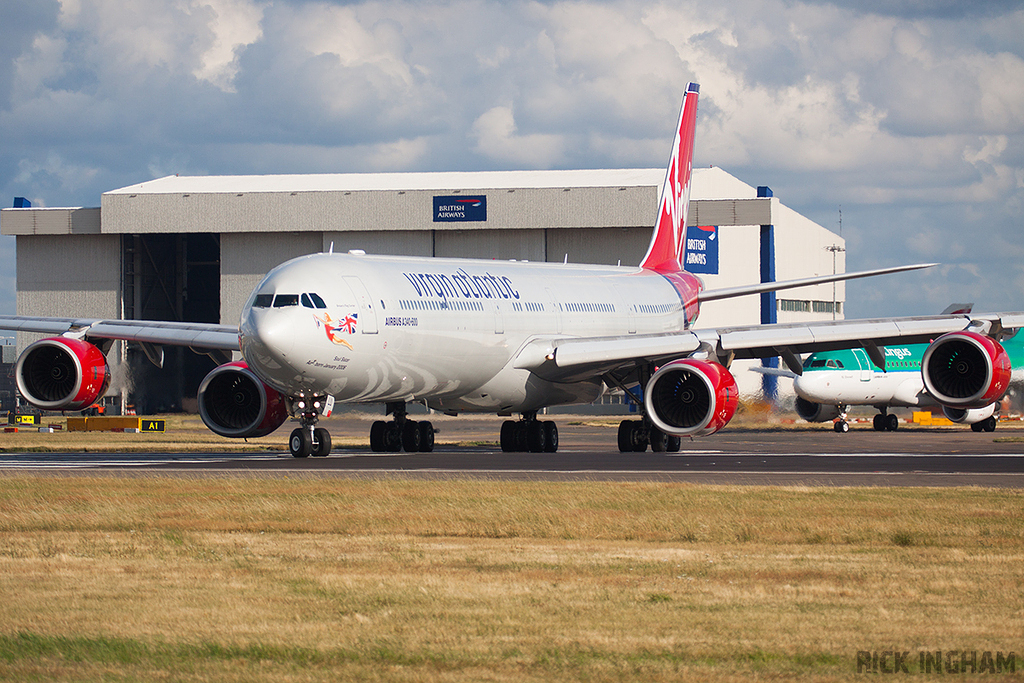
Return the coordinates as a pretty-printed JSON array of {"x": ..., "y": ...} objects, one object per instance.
[{"x": 322, "y": 579}]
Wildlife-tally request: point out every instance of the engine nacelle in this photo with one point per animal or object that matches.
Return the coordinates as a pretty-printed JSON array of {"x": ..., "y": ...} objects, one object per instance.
[
  {"x": 234, "y": 402},
  {"x": 61, "y": 373},
  {"x": 816, "y": 412},
  {"x": 969, "y": 416},
  {"x": 691, "y": 397},
  {"x": 966, "y": 370}
]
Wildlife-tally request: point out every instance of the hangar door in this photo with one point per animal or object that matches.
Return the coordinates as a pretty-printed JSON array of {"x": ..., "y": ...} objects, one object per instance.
[{"x": 169, "y": 277}]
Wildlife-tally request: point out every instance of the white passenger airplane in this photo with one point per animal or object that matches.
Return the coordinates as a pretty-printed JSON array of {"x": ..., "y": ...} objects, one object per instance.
[
  {"x": 835, "y": 380},
  {"x": 499, "y": 337}
]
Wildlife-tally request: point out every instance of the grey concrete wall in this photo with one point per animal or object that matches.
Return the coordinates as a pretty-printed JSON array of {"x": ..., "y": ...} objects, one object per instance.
[
  {"x": 391, "y": 242},
  {"x": 246, "y": 257},
  {"x": 490, "y": 244},
  {"x": 68, "y": 276},
  {"x": 606, "y": 246}
]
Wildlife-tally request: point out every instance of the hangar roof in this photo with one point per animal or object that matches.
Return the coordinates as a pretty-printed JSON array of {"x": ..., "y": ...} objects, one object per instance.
[
  {"x": 394, "y": 201},
  {"x": 368, "y": 182}
]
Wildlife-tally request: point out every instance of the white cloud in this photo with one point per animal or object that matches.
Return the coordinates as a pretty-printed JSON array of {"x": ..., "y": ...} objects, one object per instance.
[
  {"x": 496, "y": 138},
  {"x": 907, "y": 116},
  {"x": 236, "y": 23}
]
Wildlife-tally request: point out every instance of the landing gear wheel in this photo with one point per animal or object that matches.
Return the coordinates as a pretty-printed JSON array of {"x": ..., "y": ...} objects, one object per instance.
[
  {"x": 552, "y": 433},
  {"x": 377, "y": 430},
  {"x": 673, "y": 444},
  {"x": 392, "y": 437},
  {"x": 639, "y": 437},
  {"x": 426, "y": 437},
  {"x": 411, "y": 436},
  {"x": 978, "y": 426},
  {"x": 632, "y": 437},
  {"x": 879, "y": 423},
  {"x": 658, "y": 441},
  {"x": 625, "y": 436},
  {"x": 300, "y": 445},
  {"x": 892, "y": 423},
  {"x": 508, "y": 436},
  {"x": 323, "y": 442},
  {"x": 536, "y": 436},
  {"x": 990, "y": 424},
  {"x": 841, "y": 427}
]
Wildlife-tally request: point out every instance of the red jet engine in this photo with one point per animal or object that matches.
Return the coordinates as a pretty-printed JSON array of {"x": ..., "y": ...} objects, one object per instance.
[
  {"x": 691, "y": 397},
  {"x": 234, "y": 402},
  {"x": 61, "y": 373},
  {"x": 966, "y": 370}
]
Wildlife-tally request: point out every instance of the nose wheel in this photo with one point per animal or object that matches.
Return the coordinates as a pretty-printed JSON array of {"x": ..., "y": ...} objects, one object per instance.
[{"x": 308, "y": 439}]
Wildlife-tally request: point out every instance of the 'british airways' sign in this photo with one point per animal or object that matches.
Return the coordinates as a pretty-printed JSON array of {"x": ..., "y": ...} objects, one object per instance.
[
  {"x": 460, "y": 208},
  {"x": 701, "y": 249}
]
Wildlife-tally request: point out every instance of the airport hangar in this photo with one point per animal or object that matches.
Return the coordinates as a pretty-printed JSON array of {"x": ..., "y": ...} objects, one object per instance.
[{"x": 192, "y": 248}]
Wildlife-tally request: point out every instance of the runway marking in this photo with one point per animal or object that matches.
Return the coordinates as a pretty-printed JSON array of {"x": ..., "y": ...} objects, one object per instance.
[{"x": 112, "y": 460}]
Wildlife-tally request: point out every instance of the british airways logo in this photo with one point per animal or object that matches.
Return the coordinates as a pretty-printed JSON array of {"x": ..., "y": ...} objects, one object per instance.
[
  {"x": 460, "y": 209},
  {"x": 701, "y": 249},
  {"x": 462, "y": 285}
]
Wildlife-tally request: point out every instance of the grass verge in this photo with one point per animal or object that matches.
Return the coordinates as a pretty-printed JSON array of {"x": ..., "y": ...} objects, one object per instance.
[{"x": 232, "y": 579}]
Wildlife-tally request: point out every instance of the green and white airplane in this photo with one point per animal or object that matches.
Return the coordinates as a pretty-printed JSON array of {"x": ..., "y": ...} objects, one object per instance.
[{"x": 832, "y": 381}]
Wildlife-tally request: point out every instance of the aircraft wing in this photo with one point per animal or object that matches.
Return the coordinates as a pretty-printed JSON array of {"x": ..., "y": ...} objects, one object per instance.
[
  {"x": 156, "y": 332},
  {"x": 568, "y": 359}
]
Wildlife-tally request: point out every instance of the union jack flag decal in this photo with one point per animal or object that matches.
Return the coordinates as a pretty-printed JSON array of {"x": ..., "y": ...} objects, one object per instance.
[{"x": 348, "y": 325}]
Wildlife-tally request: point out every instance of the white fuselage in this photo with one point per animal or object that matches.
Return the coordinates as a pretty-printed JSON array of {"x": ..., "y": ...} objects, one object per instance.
[
  {"x": 863, "y": 387},
  {"x": 386, "y": 328}
]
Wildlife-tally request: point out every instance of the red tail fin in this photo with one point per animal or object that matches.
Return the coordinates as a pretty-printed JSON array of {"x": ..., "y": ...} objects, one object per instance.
[{"x": 666, "y": 249}]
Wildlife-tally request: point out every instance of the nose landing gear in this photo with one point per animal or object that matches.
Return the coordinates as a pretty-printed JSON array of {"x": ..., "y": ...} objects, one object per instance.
[{"x": 308, "y": 439}]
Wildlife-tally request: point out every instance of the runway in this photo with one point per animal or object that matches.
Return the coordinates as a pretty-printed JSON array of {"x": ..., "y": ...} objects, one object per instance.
[{"x": 787, "y": 457}]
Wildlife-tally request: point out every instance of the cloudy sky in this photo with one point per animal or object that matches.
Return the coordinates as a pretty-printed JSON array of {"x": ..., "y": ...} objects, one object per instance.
[{"x": 907, "y": 114}]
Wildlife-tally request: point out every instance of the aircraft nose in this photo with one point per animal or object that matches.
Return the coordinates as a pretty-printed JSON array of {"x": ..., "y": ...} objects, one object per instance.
[
  {"x": 812, "y": 386},
  {"x": 268, "y": 336}
]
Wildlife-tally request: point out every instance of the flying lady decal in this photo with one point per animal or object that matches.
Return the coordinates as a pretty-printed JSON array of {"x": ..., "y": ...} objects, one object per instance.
[{"x": 336, "y": 328}]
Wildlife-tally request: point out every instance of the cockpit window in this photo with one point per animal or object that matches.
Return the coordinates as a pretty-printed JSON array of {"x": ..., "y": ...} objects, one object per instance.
[
  {"x": 312, "y": 300},
  {"x": 831, "y": 363},
  {"x": 818, "y": 363},
  {"x": 263, "y": 301},
  {"x": 282, "y": 300}
]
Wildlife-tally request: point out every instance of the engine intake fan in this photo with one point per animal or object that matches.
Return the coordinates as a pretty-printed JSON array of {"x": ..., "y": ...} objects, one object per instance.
[
  {"x": 234, "y": 402},
  {"x": 966, "y": 370},
  {"x": 691, "y": 397}
]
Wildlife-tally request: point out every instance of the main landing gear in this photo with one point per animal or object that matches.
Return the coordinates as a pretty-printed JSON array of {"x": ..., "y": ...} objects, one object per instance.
[
  {"x": 308, "y": 439},
  {"x": 885, "y": 422},
  {"x": 529, "y": 434},
  {"x": 636, "y": 435},
  {"x": 401, "y": 432}
]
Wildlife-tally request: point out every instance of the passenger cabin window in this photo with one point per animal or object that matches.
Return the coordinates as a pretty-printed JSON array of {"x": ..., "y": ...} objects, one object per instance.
[
  {"x": 263, "y": 301},
  {"x": 282, "y": 300}
]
